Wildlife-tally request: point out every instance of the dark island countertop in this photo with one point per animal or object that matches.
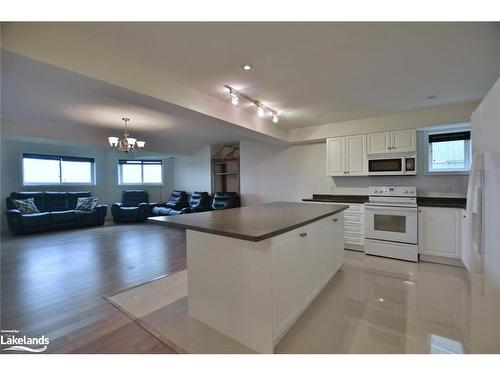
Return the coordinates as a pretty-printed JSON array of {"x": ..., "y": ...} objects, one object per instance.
[
  {"x": 252, "y": 223},
  {"x": 451, "y": 202}
]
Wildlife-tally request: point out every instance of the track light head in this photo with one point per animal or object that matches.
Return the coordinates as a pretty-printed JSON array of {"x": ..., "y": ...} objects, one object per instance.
[
  {"x": 275, "y": 118},
  {"x": 260, "y": 111},
  {"x": 234, "y": 99}
]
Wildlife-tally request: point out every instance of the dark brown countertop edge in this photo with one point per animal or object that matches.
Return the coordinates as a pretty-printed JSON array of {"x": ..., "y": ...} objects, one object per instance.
[
  {"x": 245, "y": 237},
  {"x": 337, "y": 198},
  {"x": 452, "y": 202}
]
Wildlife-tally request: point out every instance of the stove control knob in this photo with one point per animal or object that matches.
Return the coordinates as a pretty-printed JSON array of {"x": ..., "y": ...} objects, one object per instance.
[{"x": 406, "y": 191}]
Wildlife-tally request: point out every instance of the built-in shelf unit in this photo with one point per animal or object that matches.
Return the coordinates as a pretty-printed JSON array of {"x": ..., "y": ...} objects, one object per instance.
[{"x": 226, "y": 168}]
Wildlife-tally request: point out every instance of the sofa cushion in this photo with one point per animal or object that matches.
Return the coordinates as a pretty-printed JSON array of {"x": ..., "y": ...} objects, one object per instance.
[
  {"x": 178, "y": 200},
  {"x": 37, "y": 196},
  {"x": 86, "y": 204},
  {"x": 73, "y": 198},
  {"x": 160, "y": 211},
  {"x": 86, "y": 216},
  {"x": 55, "y": 201},
  {"x": 129, "y": 212},
  {"x": 132, "y": 198},
  {"x": 59, "y": 217},
  {"x": 26, "y": 206},
  {"x": 41, "y": 219}
]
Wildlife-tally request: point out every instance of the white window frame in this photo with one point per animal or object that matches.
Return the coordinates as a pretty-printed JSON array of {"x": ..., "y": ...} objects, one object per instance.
[
  {"x": 142, "y": 161},
  {"x": 428, "y": 150},
  {"x": 60, "y": 158}
]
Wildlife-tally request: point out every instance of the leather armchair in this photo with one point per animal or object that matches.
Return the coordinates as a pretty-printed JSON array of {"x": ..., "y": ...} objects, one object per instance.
[
  {"x": 226, "y": 200},
  {"x": 199, "y": 202},
  {"x": 133, "y": 208},
  {"x": 57, "y": 211},
  {"x": 177, "y": 201}
]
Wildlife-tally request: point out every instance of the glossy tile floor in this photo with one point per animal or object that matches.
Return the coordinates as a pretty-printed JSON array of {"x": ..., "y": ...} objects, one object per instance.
[{"x": 373, "y": 305}]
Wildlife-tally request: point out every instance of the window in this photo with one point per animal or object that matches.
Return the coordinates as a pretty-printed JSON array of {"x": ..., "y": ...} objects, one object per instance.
[
  {"x": 57, "y": 170},
  {"x": 139, "y": 172},
  {"x": 449, "y": 152}
]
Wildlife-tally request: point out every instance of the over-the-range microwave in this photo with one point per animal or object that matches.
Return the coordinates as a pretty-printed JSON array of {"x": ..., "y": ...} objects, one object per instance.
[{"x": 392, "y": 165}]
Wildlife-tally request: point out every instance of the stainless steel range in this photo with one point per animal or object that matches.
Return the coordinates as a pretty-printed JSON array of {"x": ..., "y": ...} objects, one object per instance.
[{"x": 391, "y": 222}]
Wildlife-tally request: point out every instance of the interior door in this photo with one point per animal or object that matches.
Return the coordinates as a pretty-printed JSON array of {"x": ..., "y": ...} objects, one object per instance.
[
  {"x": 356, "y": 161},
  {"x": 379, "y": 143},
  {"x": 404, "y": 141},
  {"x": 335, "y": 150}
]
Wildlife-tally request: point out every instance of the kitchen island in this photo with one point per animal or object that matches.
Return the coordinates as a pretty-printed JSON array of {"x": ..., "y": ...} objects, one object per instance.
[{"x": 252, "y": 271}]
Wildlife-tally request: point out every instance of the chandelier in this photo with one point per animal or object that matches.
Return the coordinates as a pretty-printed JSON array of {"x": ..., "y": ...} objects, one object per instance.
[{"x": 125, "y": 143}]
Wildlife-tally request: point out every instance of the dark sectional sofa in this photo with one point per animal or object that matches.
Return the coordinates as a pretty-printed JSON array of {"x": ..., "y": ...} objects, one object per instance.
[
  {"x": 57, "y": 211},
  {"x": 180, "y": 203}
]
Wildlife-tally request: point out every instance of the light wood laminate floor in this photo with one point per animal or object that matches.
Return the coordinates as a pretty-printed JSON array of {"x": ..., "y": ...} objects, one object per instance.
[{"x": 54, "y": 284}]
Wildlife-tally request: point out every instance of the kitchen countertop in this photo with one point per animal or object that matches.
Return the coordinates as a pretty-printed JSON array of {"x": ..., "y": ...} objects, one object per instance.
[
  {"x": 442, "y": 202},
  {"x": 452, "y": 202},
  {"x": 252, "y": 223}
]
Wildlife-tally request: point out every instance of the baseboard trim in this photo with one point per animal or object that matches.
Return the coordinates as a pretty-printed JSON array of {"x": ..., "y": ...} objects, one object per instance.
[{"x": 441, "y": 260}]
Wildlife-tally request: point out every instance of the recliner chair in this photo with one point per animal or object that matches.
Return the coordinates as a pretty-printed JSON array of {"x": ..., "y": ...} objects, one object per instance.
[
  {"x": 225, "y": 200},
  {"x": 177, "y": 201},
  {"x": 198, "y": 202},
  {"x": 133, "y": 208}
]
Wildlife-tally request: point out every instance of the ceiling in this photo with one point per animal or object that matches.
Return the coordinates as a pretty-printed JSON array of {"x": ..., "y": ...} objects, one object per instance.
[
  {"x": 50, "y": 102},
  {"x": 313, "y": 73}
]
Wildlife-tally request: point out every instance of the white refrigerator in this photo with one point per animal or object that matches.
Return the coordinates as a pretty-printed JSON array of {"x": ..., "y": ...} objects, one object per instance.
[{"x": 481, "y": 237}]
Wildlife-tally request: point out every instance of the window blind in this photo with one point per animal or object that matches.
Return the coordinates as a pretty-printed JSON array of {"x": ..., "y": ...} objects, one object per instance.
[
  {"x": 58, "y": 157},
  {"x": 447, "y": 137}
]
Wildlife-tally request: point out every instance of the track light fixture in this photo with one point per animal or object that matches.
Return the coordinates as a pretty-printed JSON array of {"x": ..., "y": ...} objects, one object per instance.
[{"x": 262, "y": 109}]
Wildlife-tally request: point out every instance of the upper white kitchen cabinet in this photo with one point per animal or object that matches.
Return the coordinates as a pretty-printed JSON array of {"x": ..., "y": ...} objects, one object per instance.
[
  {"x": 346, "y": 156},
  {"x": 395, "y": 141},
  {"x": 379, "y": 143}
]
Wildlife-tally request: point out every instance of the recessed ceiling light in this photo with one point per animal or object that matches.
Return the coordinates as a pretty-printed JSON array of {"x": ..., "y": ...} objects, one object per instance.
[
  {"x": 381, "y": 300},
  {"x": 247, "y": 67}
]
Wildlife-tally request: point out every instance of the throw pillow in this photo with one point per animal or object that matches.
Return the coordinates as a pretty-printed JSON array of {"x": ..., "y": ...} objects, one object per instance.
[
  {"x": 26, "y": 206},
  {"x": 86, "y": 204}
]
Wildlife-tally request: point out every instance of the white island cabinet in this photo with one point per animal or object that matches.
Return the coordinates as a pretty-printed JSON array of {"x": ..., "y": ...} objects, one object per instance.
[{"x": 253, "y": 272}]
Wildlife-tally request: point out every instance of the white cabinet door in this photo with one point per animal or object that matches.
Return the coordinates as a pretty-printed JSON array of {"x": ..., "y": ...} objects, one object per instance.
[
  {"x": 440, "y": 231},
  {"x": 333, "y": 245},
  {"x": 335, "y": 153},
  {"x": 311, "y": 249},
  {"x": 379, "y": 143},
  {"x": 287, "y": 283},
  {"x": 355, "y": 155},
  {"x": 404, "y": 141}
]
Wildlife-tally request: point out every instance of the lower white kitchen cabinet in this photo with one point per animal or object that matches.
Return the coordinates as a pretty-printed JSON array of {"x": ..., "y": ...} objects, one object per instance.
[
  {"x": 440, "y": 232},
  {"x": 354, "y": 225},
  {"x": 304, "y": 261}
]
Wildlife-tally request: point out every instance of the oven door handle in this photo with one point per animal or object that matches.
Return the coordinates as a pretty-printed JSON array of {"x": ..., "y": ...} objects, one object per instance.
[{"x": 392, "y": 208}]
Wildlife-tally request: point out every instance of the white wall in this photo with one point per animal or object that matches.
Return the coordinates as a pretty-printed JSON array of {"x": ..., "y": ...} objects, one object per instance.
[
  {"x": 106, "y": 188},
  {"x": 291, "y": 173},
  {"x": 192, "y": 173}
]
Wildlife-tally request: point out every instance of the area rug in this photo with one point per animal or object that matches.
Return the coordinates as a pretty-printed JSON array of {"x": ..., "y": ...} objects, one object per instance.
[{"x": 161, "y": 308}]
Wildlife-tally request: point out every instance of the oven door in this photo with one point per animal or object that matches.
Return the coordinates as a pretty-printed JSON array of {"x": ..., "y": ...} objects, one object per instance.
[
  {"x": 391, "y": 223},
  {"x": 386, "y": 166}
]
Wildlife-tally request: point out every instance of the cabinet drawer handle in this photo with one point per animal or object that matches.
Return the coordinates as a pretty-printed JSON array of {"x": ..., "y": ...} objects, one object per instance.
[
  {"x": 303, "y": 234},
  {"x": 335, "y": 220}
]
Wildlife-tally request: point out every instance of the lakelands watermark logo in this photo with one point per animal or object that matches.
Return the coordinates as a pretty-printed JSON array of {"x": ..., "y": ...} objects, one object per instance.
[{"x": 12, "y": 340}]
